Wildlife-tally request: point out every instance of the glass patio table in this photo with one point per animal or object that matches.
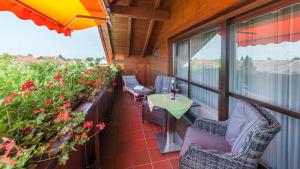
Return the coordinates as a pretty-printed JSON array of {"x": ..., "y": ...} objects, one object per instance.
[{"x": 176, "y": 109}]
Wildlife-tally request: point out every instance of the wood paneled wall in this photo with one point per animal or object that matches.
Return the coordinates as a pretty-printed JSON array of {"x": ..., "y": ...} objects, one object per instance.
[
  {"x": 183, "y": 15},
  {"x": 139, "y": 66}
]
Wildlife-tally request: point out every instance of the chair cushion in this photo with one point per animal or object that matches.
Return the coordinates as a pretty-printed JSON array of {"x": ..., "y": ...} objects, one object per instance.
[
  {"x": 130, "y": 80},
  {"x": 242, "y": 114},
  {"x": 204, "y": 139},
  {"x": 242, "y": 138}
]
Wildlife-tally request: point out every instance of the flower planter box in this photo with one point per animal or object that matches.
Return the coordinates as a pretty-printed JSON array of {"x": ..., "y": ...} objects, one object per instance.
[{"x": 87, "y": 155}]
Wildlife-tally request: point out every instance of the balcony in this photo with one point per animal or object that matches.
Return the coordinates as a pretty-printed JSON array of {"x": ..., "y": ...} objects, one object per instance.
[{"x": 221, "y": 54}]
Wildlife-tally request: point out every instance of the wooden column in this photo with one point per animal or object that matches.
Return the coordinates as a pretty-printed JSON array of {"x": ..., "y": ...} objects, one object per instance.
[{"x": 224, "y": 72}]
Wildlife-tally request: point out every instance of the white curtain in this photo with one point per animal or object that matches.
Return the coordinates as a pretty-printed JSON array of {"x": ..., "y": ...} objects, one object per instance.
[
  {"x": 266, "y": 67},
  {"x": 182, "y": 59},
  {"x": 206, "y": 58}
]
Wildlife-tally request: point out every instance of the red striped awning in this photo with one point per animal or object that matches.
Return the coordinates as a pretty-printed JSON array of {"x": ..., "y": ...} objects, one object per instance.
[{"x": 285, "y": 28}]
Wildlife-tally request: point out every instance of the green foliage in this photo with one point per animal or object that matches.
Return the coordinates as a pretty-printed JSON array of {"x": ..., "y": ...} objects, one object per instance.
[
  {"x": 35, "y": 114},
  {"x": 13, "y": 74}
]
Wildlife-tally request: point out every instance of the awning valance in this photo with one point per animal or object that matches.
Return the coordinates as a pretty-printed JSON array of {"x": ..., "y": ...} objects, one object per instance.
[
  {"x": 285, "y": 28},
  {"x": 63, "y": 16}
]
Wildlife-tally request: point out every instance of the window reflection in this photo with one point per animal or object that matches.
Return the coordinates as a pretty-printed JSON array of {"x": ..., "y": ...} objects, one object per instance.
[{"x": 265, "y": 62}]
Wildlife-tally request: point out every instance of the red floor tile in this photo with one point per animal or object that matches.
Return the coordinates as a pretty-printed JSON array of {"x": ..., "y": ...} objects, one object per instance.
[
  {"x": 175, "y": 163},
  {"x": 124, "y": 161},
  {"x": 173, "y": 155},
  {"x": 162, "y": 165},
  {"x": 130, "y": 144},
  {"x": 141, "y": 157},
  {"x": 151, "y": 142},
  {"x": 148, "y": 166},
  {"x": 139, "y": 145},
  {"x": 149, "y": 134},
  {"x": 156, "y": 155}
]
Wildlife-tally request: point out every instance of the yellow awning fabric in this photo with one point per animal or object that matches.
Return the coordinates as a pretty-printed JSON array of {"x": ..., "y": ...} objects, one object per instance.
[{"x": 63, "y": 16}]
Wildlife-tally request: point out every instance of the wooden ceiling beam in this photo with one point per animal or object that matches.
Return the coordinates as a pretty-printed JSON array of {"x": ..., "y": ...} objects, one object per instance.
[
  {"x": 150, "y": 29},
  {"x": 139, "y": 12}
]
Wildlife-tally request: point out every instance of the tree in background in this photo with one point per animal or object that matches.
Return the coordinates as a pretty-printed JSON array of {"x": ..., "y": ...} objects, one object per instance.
[
  {"x": 61, "y": 57},
  {"x": 89, "y": 59}
]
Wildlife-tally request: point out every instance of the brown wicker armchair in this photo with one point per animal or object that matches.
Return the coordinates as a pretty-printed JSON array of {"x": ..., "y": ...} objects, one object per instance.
[{"x": 157, "y": 116}]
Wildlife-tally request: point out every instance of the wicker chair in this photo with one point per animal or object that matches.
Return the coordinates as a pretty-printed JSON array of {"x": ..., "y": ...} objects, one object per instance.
[
  {"x": 158, "y": 116},
  {"x": 256, "y": 141}
]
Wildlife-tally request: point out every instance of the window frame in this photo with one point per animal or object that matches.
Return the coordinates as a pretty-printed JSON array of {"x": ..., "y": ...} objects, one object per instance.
[
  {"x": 189, "y": 81},
  {"x": 224, "y": 23}
]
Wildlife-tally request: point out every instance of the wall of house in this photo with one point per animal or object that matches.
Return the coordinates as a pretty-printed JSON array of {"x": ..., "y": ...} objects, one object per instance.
[
  {"x": 139, "y": 66},
  {"x": 183, "y": 16}
]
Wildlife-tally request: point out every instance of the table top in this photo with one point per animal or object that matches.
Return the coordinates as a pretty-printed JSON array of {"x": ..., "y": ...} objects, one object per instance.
[{"x": 177, "y": 107}]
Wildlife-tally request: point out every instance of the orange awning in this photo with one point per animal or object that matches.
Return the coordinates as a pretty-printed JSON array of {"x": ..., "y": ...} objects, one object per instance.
[
  {"x": 279, "y": 29},
  {"x": 63, "y": 16}
]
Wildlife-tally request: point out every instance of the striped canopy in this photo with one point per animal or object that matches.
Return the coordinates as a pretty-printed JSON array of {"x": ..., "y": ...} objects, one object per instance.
[{"x": 63, "y": 16}]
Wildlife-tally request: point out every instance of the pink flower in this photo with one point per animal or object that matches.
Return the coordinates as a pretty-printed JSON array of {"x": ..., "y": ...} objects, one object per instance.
[
  {"x": 42, "y": 110},
  {"x": 62, "y": 97},
  {"x": 66, "y": 106},
  {"x": 88, "y": 124},
  {"x": 63, "y": 116},
  {"x": 100, "y": 126},
  {"x": 9, "y": 144}
]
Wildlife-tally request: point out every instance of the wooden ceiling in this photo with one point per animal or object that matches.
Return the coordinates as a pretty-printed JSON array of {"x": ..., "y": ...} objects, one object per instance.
[{"x": 133, "y": 24}]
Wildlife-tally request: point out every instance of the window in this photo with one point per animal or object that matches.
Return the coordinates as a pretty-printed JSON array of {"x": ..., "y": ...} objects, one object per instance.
[
  {"x": 182, "y": 59},
  {"x": 265, "y": 58},
  {"x": 209, "y": 100},
  {"x": 197, "y": 64},
  {"x": 265, "y": 66},
  {"x": 206, "y": 58}
]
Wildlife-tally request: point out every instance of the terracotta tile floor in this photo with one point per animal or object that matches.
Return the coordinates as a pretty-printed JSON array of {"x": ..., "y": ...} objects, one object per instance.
[{"x": 130, "y": 144}]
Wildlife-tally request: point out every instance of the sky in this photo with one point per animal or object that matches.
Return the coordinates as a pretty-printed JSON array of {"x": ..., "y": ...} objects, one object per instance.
[
  {"x": 280, "y": 51},
  {"x": 24, "y": 37}
]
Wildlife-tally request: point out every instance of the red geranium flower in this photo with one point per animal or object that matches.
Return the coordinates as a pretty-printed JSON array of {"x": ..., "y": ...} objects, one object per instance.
[
  {"x": 84, "y": 135},
  {"x": 90, "y": 82},
  {"x": 42, "y": 110},
  {"x": 28, "y": 85},
  {"x": 87, "y": 72},
  {"x": 96, "y": 84},
  {"x": 62, "y": 97},
  {"x": 26, "y": 130},
  {"x": 88, "y": 124},
  {"x": 58, "y": 76},
  {"x": 48, "y": 102},
  {"x": 9, "y": 98},
  {"x": 63, "y": 116},
  {"x": 80, "y": 81},
  {"x": 66, "y": 106}
]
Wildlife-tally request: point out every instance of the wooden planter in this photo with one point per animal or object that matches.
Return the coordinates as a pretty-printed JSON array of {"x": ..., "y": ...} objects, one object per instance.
[{"x": 87, "y": 155}]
